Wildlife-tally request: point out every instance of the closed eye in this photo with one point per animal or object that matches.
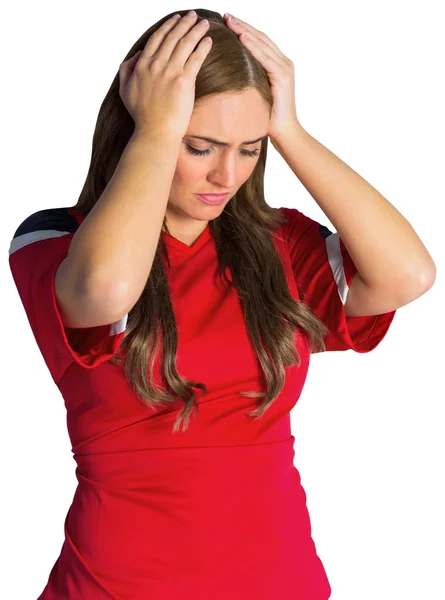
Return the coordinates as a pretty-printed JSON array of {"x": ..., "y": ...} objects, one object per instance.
[{"x": 196, "y": 152}]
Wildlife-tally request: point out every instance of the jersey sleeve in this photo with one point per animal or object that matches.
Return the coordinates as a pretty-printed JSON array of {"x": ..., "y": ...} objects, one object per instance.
[
  {"x": 38, "y": 247},
  {"x": 323, "y": 271}
]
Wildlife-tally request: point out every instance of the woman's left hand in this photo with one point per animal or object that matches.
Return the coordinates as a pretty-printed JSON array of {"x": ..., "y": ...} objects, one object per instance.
[{"x": 280, "y": 71}]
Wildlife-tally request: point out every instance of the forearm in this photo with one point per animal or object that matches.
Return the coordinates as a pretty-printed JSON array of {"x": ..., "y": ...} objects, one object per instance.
[
  {"x": 381, "y": 242},
  {"x": 113, "y": 250}
]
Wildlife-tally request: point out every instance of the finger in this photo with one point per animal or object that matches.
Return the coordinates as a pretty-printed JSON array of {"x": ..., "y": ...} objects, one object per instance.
[
  {"x": 263, "y": 53},
  {"x": 126, "y": 69},
  {"x": 154, "y": 42},
  {"x": 194, "y": 63},
  {"x": 242, "y": 26},
  {"x": 134, "y": 59},
  {"x": 184, "y": 49},
  {"x": 175, "y": 36},
  {"x": 130, "y": 62}
]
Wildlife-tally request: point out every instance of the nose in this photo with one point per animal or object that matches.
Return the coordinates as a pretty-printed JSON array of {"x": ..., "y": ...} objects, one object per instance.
[{"x": 223, "y": 174}]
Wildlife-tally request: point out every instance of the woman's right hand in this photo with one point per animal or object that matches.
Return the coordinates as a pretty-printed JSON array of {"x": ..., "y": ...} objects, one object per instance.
[{"x": 157, "y": 85}]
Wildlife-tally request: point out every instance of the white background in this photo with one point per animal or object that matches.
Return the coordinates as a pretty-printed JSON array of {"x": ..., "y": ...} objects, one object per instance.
[{"x": 368, "y": 427}]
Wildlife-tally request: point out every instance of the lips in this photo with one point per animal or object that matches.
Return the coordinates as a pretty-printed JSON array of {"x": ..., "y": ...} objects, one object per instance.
[
  {"x": 213, "y": 199},
  {"x": 214, "y": 196}
]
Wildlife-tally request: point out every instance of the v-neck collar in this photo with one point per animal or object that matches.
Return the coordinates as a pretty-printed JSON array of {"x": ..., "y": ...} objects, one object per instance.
[{"x": 183, "y": 247}]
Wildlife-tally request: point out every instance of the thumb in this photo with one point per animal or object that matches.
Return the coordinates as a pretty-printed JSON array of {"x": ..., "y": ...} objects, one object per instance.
[
  {"x": 131, "y": 62},
  {"x": 135, "y": 56},
  {"x": 127, "y": 67}
]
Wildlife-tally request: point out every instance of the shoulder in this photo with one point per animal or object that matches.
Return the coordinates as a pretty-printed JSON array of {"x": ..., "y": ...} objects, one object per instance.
[
  {"x": 45, "y": 224},
  {"x": 49, "y": 219},
  {"x": 298, "y": 224}
]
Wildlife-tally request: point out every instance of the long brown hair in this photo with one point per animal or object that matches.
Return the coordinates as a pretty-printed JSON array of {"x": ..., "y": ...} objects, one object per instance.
[{"x": 242, "y": 235}]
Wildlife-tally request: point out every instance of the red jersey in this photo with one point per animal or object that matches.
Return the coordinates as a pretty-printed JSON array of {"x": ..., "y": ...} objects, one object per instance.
[{"x": 215, "y": 512}]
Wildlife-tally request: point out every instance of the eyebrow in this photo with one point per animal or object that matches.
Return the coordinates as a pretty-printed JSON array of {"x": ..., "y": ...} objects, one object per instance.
[{"x": 218, "y": 143}]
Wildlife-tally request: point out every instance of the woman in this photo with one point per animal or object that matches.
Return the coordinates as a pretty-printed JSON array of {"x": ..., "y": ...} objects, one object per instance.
[{"x": 145, "y": 290}]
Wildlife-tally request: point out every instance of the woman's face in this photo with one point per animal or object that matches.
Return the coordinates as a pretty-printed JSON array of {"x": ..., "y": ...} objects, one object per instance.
[{"x": 232, "y": 118}]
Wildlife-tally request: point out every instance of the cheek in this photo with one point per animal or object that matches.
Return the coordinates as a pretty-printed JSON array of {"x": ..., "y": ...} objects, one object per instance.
[
  {"x": 188, "y": 171},
  {"x": 248, "y": 169}
]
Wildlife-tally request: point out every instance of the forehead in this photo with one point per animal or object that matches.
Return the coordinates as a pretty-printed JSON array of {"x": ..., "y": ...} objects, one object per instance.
[{"x": 230, "y": 117}]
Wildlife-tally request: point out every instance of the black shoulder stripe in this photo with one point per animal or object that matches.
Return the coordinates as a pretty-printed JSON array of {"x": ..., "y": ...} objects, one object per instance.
[
  {"x": 57, "y": 219},
  {"x": 44, "y": 224},
  {"x": 324, "y": 231}
]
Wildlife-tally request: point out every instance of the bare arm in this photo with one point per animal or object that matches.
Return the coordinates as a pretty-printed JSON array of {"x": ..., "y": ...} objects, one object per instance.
[{"x": 112, "y": 252}]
